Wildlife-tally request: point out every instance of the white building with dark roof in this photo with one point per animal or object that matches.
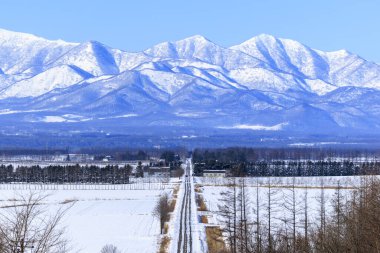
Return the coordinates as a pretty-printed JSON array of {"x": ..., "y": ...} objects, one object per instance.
[{"x": 214, "y": 173}]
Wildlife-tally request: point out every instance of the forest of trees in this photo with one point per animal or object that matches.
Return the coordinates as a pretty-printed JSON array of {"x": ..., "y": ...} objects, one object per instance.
[
  {"x": 238, "y": 154},
  {"x": 66, "y": 174},
  {"x": 251, "y": 224},
  {"x": 286, "y": 162},
  {"x": 292, "y": 168},
  {"x": 136, "y": 154},
  {"x": 124, "y": 155}
]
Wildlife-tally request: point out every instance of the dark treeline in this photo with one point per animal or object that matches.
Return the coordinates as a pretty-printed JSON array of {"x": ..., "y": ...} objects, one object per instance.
[
  {"x": 268, "y": 154},
  {"x": 124, "y": 155},
  {"x": 286, "y": 162},
  {"x": 66, "y": 174},
  {"x": 132, "y": 154},
  {"x": 292, "y": 168}
]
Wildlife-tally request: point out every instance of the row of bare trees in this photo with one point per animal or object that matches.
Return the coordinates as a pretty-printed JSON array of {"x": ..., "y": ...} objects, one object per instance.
[{"x": 263, "y": 220}]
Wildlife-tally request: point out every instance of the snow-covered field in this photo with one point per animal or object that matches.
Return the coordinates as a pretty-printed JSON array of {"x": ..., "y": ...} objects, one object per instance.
[
  {"x": 122, "y": 214},
  {"x": 120, "y": 217},
  {"x": 281, "y": 196},
  {"x": 328, "y": 182}
]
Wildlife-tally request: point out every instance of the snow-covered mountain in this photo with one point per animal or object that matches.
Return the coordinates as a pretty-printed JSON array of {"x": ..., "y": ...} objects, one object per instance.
[{"x": 265, "y": 83}]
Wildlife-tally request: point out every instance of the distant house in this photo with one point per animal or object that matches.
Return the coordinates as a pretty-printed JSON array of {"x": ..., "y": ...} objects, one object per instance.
[
  {"x": 107, "y": 158},
  {"x": 156, "y": 171},
  {"x": 214, "y": 173}
]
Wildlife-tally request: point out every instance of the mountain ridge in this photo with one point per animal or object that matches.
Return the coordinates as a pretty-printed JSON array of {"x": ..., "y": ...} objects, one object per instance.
[{"x": 264, "y": 81}]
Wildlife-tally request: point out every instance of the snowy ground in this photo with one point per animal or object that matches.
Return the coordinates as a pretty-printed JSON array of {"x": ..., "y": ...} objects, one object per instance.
[
  {"x": 122, "y": 214},
  {"x": 281, "y": 195},
  {"x": 120, "y": 217},
  {"x": 328, "y": 182}
]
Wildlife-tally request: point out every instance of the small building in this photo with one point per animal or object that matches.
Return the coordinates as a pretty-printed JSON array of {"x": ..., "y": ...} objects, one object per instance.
[
  {"x": 107, "y": 158},
  {"x": 214, "y": 173},
  {"x": 156, "y": 172}
]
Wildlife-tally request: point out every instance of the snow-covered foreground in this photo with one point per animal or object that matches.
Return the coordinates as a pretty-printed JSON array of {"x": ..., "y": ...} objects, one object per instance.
[{"x": 120, "y": 217}]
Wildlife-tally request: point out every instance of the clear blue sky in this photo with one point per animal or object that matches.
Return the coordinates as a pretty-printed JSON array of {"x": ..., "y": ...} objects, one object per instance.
[{"x": 135, "y": 25}]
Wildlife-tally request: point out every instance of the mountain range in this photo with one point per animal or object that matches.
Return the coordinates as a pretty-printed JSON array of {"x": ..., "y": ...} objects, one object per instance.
[{"x": 263, "y": 84}]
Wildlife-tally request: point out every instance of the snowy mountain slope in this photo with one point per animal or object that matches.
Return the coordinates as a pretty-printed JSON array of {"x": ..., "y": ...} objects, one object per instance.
[
  {"x": 111, "y": 96},
  {"x": 28, "y": 53},
  {"x": 285, "y": 55},
  {"x": 201, "y": 49},
  {"x": 265, "y": 81},
  {"x": 347, "y": 69},
  {"x": 129, "y": 61},
  {"x": 57, "y": 77},
  {"x": 319, "y": 87},
  {"x": 168, "y": 82},
  {"x": 93, "y": 57},
  {"x": 339, "y": 68}
]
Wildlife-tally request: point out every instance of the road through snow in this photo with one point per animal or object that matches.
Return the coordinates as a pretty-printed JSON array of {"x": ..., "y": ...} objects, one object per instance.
[{"x": 187, "y": 237}]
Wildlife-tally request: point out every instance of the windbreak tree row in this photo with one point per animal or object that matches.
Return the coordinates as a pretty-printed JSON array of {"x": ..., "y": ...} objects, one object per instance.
[
  {"x": 245, "y": 154},
  {"x": 66, "y": 174},
  {"x": 292, "y": 168}
]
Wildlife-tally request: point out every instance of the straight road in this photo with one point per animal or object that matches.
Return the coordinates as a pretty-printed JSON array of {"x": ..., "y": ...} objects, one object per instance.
[{"x": 185, "y": 238}]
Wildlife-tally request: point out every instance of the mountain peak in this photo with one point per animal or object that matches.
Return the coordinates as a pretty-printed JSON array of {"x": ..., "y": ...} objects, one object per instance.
[
  {"x": 5, "y": 34},
  {"x": 337, "y": 53},
  {"x": 12, "y": 37},
  {"x": 262, "y": 38},
  {"x": 268, "y": 39},
  {"x": 94, "y": 42},
  {"x": 198, "y": 39},
  {"x": 185, "y": 48},
  {"x": 265, "y": 36}
]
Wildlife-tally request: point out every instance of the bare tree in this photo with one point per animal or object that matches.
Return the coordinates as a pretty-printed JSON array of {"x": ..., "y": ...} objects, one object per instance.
[
  {"x": 271, "y": 209},
  {"x": 306, "y": 244},
  {"x": 320, "y": 234},
  {"x": 109, "y": 248},
  {"x": 244, "y": 226},
  {"x": 25, "y": 224},
  {"x": 228, "y": 214},
  {"x": 292, "y": 206},
  {"x": 336, "y": 236},
  {"x": 161, "y": 210},
  {"x": 256, "y": 212}
]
